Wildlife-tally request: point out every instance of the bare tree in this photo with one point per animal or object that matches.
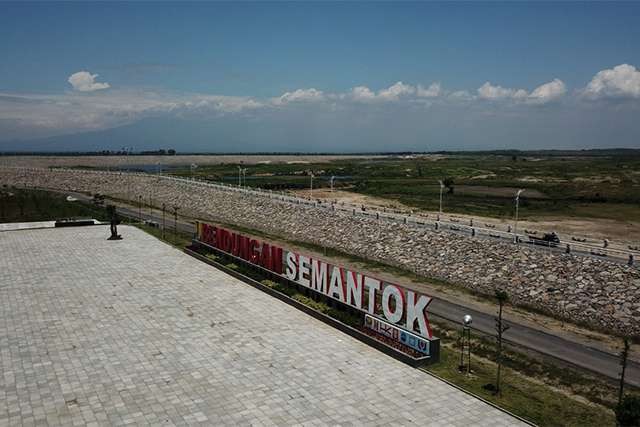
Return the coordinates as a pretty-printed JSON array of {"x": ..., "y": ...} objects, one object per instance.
[
  {"x": 164, "y": 209},
  {"x": 623, "y": 362},
  {"x": 175, "y": 224},
  {"x": 502, "y": 297},
  {"x": 21, "y": 202},
  {"x": 3, "y": 204}
]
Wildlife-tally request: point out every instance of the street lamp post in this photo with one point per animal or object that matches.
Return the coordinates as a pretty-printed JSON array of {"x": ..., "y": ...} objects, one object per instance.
[
  {"x": 515, "y": 227},
  {"x": 175, "y": 224},
  {"x": 441, "y": 188},
  {"x": 164, "y": 208},
  {"x": 465, "y": 342}
]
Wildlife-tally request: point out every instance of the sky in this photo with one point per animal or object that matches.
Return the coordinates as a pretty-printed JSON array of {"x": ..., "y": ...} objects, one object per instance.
[{"x": 325, "y": 76}]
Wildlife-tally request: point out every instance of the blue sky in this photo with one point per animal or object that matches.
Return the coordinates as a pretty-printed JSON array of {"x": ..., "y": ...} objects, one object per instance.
[{"x": 350, "y": 76}]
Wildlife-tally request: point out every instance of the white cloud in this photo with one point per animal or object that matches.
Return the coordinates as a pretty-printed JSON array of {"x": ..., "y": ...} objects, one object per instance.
[
  {"x": 73, "y": 112},
  {"x": 300, "y": 95},
  {"x": 362, "y": 94},
  {"x": 395, "y": 91},
  {"x": 461, "y": 95},
  {"x": 434, "y": 90},
  {"x": 621, "y": 81},
  {"x": 84, "y": 109},
  {"x": 488, "y": 91},
  {"x": 392, "y": 93},
  {"x": 216, "y": 103},
  {"x": 84, "y": 81},
  {"x": 520, "y": 94},
  {"x": 548, "y": 92},
  {"x": 542, "y": 94}
]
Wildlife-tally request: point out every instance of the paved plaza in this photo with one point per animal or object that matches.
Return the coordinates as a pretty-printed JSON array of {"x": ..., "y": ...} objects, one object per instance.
[{"x": 97, "y": 332}]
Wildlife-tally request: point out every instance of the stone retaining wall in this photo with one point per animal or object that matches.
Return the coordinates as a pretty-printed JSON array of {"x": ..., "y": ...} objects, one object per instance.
[{"x": 579, "y": 289}]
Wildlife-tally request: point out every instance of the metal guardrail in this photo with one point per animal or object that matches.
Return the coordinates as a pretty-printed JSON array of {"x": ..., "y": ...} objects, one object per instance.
[{"x": 454, "y": 225}]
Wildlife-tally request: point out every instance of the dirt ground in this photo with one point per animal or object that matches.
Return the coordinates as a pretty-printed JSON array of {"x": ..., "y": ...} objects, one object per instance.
[
  {"x": 123, "y": 161},
  {"x": 484, "y": 190},
  {"x": 621, "y": 234}
]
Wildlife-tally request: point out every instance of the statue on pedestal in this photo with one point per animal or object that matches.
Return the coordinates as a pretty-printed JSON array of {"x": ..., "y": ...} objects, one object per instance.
[{"x": 111, "y": 210}]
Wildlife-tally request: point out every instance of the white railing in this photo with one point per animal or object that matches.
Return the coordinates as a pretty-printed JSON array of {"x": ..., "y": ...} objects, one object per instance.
[{"x": 391, "y": 215}]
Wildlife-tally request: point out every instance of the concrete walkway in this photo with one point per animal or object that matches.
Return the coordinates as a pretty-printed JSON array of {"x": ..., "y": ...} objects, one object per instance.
[{"x": 97, "y": 332}]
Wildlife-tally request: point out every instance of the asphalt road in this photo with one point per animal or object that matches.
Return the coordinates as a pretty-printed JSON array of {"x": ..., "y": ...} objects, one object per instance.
[
  {"x": 568, "y": 351},
  {"x": 572, "y": 352}
]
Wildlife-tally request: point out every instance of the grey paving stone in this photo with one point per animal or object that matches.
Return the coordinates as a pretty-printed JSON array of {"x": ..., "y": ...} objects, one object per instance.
[{"x": 132, "y": 332}]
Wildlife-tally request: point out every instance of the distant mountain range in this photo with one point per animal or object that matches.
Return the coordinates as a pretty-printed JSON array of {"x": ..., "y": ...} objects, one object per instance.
[
  {"x": 220, "y": 135},
  {"x": 237, "y": 135},
  {"x": 146, "y": 134}
]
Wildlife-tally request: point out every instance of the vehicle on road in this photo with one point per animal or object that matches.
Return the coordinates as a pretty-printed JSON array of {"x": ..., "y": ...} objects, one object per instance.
[{"x": 548, "y": 239}]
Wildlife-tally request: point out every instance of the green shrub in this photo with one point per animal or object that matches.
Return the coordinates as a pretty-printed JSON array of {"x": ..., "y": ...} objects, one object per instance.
[
  {"x": 269, "y": 283},
  {"x": 628, "y": 412},
  {"x": 287, "y": 290},
  {"x": 345, "y": 317},
  {"x": 311, "y": 303}
]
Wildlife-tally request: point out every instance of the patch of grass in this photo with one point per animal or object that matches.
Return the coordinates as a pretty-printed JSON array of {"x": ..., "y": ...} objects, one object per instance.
[
  {"x": 574, "y": 381},
  {"x": 180, "y": 240},
  {"x": 22, "y": 205},
  {"x": 532, "y": 400}
]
